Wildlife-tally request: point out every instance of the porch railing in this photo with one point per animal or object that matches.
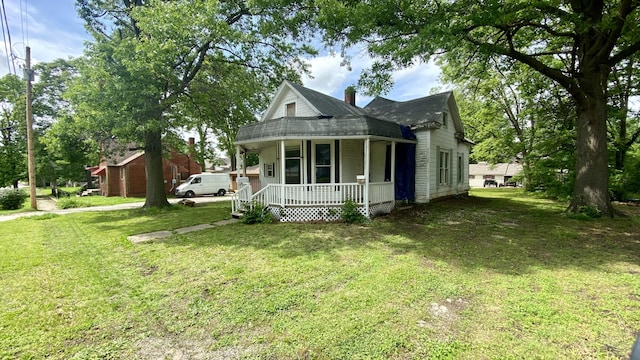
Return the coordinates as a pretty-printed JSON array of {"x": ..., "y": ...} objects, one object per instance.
[
  {"x": 315, "y": 194},
  {"x": 242, "y": 198}
]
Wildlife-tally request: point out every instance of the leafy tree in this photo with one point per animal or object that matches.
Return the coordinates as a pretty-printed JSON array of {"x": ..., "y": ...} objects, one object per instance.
[
  {"x": 623, "y": 125},
  {"x": 574, "y": 43},
  {"x": 13, "y": 139},
  {"x": 64, "y": 145},
  {"x": 222, "y": 98},
  {"x": 145, "y": 54},
  {"x": 516, "y": 114}
]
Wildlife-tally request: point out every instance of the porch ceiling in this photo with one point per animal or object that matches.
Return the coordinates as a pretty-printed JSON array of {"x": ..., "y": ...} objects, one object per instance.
[{"x": 307, "y": 128}]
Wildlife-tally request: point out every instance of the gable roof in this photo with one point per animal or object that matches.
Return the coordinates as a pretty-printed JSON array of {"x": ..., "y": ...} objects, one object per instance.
[
  {"x": 422, "y": 111},
  {"x": 325, "y": 104},
  {"x": 336, "y": 118},
  {"x": 322, "y": 104}
]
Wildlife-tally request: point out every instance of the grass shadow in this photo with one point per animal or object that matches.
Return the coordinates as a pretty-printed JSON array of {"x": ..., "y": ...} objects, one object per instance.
[{"x": 506, "y": 235}]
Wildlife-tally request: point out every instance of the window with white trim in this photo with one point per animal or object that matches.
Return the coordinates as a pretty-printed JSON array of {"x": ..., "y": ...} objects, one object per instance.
[
  {"x": 323, "y": 163},
  {"x": 292, "y": 164},
  {"x": 290, "y": 109},
  {"x": 443, "y": 174}
]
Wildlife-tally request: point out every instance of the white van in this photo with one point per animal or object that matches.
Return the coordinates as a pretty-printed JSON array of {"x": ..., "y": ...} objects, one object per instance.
[{"x": 204, "y": 184}]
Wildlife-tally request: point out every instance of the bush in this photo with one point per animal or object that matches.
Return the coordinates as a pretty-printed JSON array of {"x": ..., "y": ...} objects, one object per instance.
[
  {"x": 12, "y": 199},
  {"x": 351, "y": 214},
  {"x": 257, "y": 214},
  {"x": 68, "y": 203}
]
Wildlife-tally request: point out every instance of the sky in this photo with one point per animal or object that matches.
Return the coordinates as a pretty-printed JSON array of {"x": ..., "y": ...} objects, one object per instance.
[{"x": 52, "y": 29}]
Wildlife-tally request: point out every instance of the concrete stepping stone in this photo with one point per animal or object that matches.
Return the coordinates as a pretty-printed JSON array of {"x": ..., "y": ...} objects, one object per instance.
[
  {"x": 137, "y": 239},
  {"x": 189, "y": 229}
]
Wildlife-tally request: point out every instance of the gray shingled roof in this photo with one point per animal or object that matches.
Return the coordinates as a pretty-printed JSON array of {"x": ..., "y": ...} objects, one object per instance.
[
  {"x": 426, "y": 111},
  {"x": 326, "y": 104},
  {"x": 297, "y": 127},
  {"x": 381, "y": 117}
]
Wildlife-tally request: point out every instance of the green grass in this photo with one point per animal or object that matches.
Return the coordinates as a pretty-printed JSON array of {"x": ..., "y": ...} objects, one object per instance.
[
  {"x": 495, "y": 276},
  {"x": 88, "y": 201}
]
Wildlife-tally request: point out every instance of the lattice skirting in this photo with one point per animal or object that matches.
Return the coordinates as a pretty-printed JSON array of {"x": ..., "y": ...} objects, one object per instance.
[{"x": 305, "y": 213}]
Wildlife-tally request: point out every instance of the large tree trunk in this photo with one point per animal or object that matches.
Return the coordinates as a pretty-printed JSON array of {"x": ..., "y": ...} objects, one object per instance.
[
  {"x": 592, "y": 165},
  {"x": 156, "y": 197}
]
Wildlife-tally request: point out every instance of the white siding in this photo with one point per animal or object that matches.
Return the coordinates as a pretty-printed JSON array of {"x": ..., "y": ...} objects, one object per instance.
[
  {"x": 269, "y": 156},
  {"x": 463, "y": 149},
  {"x": 378, "y": 160},
  {"x": 444, "y": 140},
  {"x": 302, "y": 106},
  {"x": 352, "y": 161},
  {"x": 423, "y": 166},
  {"x": 427, "y": 166}
]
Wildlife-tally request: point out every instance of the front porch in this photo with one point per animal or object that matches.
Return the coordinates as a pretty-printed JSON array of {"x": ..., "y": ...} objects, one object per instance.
[
  {"x": 317, "y": 202},
  {"x": 309, "y": 167}
]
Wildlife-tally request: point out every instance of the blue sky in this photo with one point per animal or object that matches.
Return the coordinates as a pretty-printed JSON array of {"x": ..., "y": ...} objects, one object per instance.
[{"x": 53, "y": 30}]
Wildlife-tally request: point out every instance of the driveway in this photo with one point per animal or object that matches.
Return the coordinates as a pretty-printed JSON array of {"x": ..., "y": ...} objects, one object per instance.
[{"x": 47, "y": 206}]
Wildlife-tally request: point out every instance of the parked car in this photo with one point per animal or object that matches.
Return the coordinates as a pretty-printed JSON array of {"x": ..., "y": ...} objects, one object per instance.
[
  {"x": 204, "y": 184},
  {"x": 490, "y": 183}
]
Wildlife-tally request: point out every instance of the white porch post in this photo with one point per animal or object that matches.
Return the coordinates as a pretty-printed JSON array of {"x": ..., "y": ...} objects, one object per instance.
[
  {"x": 393, "y": 162},
  {"x": 282, "y": 173},
  {"x": 367, "y": 160},
  {"x": 244, "y": 164},
  {"x": 238, "y": 160},
  {"x": 393, "y": 173}
]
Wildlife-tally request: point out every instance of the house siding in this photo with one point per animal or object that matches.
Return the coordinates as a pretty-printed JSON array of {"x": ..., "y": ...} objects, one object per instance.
[
  {"x": 443, "y": 140},
  {"x": 378, "y": 161},
  {"x": 352, "y": 161},
  {"x": 288, "y": 96},
  {"x": 135, "y": 184},
  {"x": 269, "y": 156},
  {"x": 463, "y": 149},
  {"x": 423, "y": 168}
]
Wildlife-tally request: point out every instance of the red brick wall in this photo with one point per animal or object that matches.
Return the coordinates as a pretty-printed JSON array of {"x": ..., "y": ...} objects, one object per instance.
[
  {"x": 134, "y": 182},
  {"x": 136, "y": 179},
  {"x": 113, "y": 184},
  {"x": 185, "y": 165}
]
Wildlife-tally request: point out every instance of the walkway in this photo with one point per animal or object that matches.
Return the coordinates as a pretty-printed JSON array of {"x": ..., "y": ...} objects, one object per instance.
[
  {"x": 142, "y": 238},
  {"x": 46, "y": 208}
]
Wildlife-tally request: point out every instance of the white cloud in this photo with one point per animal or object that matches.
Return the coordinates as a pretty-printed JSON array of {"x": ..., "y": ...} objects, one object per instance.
[
  {"x": 415, "y": 81},
  {"x": 327, "y": 74},
  {"x": 51, "y": 30},
  {"x": 330, "y": 77}
]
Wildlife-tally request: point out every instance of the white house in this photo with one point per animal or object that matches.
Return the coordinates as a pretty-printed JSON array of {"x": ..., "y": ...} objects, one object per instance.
[
  {"x": 500, "y": 173},
  {"x": 316, "y": 152}
]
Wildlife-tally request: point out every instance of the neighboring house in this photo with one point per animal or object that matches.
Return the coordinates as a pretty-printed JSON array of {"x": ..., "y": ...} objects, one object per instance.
[
  {"x": 253, "y": 175},
  {"x": 500, "y": 173},
  {"x": 316, "y": 152},
  {"x": 122, "y": 172}
]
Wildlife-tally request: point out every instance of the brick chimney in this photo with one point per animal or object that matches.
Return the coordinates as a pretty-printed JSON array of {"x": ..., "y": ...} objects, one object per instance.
[
  {"x": 192, "y": 141},
  {"x": 350, "y": 95}
]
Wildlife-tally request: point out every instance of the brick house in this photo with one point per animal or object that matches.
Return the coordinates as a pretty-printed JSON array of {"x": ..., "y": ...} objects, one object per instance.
[{"x": 122, "y": 173}]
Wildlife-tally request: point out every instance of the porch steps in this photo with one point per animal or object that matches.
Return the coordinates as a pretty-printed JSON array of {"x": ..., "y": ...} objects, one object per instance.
[{"x": 238, "y": 214}]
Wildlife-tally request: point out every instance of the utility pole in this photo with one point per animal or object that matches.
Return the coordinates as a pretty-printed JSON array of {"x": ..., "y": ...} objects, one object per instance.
[{"x": 28, "y": 77}]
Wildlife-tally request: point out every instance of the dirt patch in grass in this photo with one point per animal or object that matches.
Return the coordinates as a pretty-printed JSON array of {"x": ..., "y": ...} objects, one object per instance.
[
  {"x": 444, "y": 317},
  {"x": 192, "y": 349}
]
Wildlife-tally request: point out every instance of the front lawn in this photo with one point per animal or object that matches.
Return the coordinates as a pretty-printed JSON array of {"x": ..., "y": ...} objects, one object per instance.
[{"x": 494, "y": 276}]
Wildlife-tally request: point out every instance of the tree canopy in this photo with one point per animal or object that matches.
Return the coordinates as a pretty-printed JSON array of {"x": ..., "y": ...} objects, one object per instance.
[
  {"x": 574, "y": 43},
  {"x": 145, "y": 55}
]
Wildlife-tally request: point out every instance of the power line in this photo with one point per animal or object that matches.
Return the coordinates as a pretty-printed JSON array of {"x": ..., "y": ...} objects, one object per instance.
[
  {"x": 6, "y": 49},
  {"x": 6, "y": 24},
  {"x": 24, "y": 21}
]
